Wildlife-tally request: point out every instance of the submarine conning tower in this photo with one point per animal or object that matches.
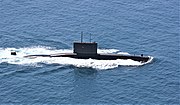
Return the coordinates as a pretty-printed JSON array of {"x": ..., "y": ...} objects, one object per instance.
[
  {"x": 82, "y": 48},
  {"x": 85, "y": 48}
]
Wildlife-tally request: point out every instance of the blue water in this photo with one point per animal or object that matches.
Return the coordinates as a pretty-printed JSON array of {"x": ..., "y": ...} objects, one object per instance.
[{"x": 150, "y": 27}]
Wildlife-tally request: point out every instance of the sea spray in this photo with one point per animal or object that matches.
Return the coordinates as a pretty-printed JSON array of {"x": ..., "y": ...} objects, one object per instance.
[{"x": 19, "y": 59}]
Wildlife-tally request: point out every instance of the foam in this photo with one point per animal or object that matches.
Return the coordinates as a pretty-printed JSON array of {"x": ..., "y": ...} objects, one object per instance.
[{"x": 19, "y": 59}]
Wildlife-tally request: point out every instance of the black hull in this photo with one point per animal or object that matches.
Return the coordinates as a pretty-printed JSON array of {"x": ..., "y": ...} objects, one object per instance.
[{"x": 97, "y": 56}]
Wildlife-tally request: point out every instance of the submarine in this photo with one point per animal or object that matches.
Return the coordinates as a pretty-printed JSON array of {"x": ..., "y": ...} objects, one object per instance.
[{"x": 88, "y": 50}]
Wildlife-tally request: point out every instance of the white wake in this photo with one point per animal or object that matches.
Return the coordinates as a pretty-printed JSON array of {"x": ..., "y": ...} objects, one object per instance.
[{"x": 5, "y": 56}]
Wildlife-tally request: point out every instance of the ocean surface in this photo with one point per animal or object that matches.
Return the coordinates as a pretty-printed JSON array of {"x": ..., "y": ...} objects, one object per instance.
[{"x": 149, "y": 27}]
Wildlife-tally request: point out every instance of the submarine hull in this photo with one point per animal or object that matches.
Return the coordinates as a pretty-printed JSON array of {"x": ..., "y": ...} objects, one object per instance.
[
  {"x": 96, "y": 56},
  {"x": 84, "y": 50}
]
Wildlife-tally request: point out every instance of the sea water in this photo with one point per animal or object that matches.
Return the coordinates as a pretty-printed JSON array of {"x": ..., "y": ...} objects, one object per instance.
[{"x": 149, "y": 27}]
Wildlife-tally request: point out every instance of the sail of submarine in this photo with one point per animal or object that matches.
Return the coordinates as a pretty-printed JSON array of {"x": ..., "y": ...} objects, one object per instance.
[{"x": 87, "y": 50}]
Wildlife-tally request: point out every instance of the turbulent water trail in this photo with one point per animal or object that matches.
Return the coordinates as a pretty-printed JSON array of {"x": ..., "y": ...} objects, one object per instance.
[{"x": 5, "y": 56}]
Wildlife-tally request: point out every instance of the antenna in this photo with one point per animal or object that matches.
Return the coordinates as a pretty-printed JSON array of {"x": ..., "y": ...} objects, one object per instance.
[
  {"x": 90, "y": 38},
  {"x": 81, "y": 37}
]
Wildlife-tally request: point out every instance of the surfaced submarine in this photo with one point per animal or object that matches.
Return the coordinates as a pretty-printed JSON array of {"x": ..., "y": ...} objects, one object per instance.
[{"x": 87, "y": 50}]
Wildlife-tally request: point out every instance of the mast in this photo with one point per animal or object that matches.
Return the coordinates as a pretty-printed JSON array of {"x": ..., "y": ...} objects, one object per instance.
[
  {"x": 90, "y": 38},
  {"x": 81, "y": 37}
]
